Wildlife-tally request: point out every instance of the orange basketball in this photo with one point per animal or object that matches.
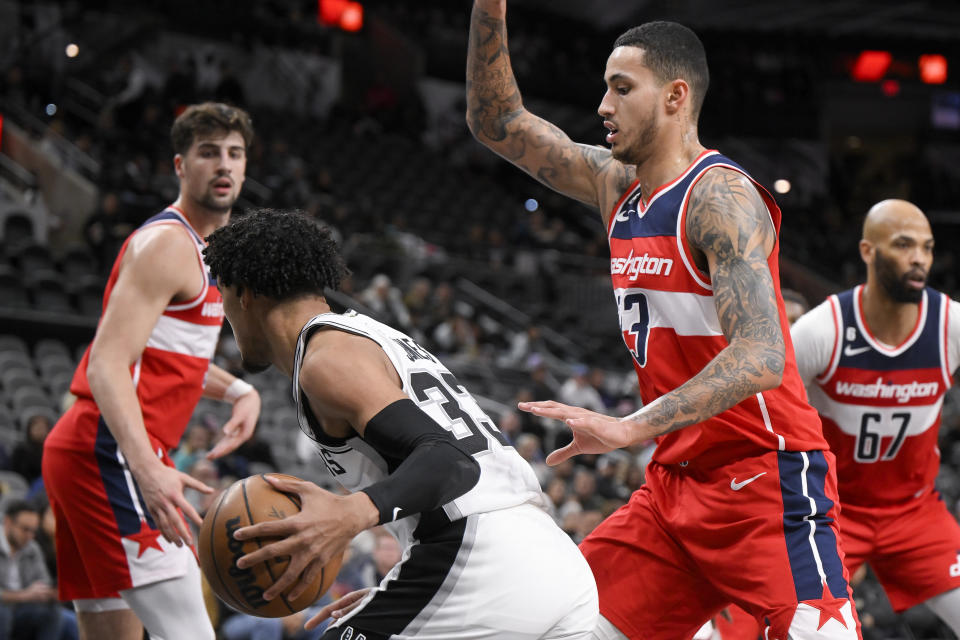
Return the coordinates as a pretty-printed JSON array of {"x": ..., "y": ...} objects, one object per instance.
[{"x": 246, "y": 502}]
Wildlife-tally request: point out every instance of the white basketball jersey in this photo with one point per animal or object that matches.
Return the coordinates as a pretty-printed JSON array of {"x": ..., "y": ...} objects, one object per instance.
[{"x": 506, "y": 480}]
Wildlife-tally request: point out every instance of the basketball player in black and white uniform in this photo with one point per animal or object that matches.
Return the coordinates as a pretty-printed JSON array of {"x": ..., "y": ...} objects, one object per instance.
[{"x": 481, "y": 558}]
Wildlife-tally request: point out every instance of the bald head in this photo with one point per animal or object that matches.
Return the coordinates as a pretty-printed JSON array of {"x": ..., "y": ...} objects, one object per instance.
[
  {"x": 888, "y": 217},
  {"x": 897, "y": 247}
]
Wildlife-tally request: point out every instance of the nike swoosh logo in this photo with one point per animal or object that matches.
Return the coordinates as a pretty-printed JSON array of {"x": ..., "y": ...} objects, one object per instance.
[
  {"x": 396, "y": 511},
  {"x": 849, "y": 351},
  {"x": 736, "y": 486}
]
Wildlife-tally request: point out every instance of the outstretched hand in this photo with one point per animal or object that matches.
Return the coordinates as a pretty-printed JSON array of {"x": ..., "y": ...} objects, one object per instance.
[
  {"x": 240, "y": 426},
  {"x": 592, "y": 432},
  {"x": 320, "y": 531}
]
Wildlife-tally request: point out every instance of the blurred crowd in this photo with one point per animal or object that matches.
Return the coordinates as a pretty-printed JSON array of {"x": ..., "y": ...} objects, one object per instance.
[{"x": 419, "y": 210}]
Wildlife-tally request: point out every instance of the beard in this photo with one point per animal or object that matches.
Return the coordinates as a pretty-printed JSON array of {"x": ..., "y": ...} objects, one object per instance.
[
  {"x": 209, "y": 202},
  {"x": 640, "y": 150},
  {"x": 896, "y": 285}
]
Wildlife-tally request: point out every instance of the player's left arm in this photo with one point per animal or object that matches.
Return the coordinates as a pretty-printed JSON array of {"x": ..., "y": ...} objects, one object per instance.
[
  {"x": 222, "y": 385},
  {"x": 728, "y": 222},
  {"x": 349, "y": 378},
  {"x": 729, "y": 225}
]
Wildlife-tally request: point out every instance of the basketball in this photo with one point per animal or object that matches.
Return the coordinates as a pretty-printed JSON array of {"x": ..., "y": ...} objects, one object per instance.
[{"x": 250, "y": 501}]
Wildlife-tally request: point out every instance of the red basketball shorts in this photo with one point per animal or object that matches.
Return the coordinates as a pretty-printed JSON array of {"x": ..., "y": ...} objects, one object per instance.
[
  {"x": 106, "y": 539},
  {"x": 759, "y": 532},
  {"x": 914, "y": 549}
]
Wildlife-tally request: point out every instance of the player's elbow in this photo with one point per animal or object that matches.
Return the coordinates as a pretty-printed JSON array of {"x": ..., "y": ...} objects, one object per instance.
[
  {"x": 476, "y": 123},
  {"x": 489, "y": 126},
  {"x": 459, "y": 473}
]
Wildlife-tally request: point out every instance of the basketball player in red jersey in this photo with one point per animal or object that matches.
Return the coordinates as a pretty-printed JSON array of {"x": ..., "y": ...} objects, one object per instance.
[
  {"x": 123, "y": 548},
  {"x": 878, "y": 360},
  {"x": 740, "y": 499}
]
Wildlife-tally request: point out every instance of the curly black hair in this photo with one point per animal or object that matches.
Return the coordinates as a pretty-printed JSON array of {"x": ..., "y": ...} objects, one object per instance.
[{"x": 277, "y": 254}]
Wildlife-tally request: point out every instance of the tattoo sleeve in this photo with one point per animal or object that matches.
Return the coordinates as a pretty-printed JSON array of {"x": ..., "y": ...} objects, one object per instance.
[
  {"x": 728, "y": 221},
  {"x": 498, "y": 119}
]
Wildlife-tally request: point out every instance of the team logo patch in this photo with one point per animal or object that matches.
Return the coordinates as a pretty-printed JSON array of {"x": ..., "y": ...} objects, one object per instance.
[{"x": 348, "y": 635}]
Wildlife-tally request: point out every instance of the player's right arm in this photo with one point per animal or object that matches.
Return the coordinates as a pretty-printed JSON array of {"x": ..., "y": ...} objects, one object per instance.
[
  {"x": 348, "y": 380},
  {"x": 814, "y": 335},
  {"x": 497, "y": 118},
  {"x": 160, "y": 265}
]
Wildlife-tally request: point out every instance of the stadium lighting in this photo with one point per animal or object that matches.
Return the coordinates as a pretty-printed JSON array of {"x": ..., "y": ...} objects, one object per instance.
[
  {"x": 782, "y": 185},
  {"x": 933, "y": 68},
  {"x": 871, "y": 66}
]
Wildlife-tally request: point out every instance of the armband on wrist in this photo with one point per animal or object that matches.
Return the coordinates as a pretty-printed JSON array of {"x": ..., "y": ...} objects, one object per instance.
[{"x": 236, "y": 389}]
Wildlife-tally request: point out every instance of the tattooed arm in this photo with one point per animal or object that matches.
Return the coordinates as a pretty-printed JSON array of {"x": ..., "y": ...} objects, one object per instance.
[
  {"x": 730, "y": 233},
  {"x": 497, "y": 118}
]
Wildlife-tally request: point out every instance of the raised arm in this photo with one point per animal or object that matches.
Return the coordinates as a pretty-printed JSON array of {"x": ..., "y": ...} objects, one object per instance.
[{"x": 497, "y": 118}]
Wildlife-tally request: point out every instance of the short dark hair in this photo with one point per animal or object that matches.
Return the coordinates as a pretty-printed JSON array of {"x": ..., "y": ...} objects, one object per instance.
[
  {"x": 277, "y": 254},
  {"x": 207, "y": 118},
  {"x": 671, "y": 51},
  {"x": 16, "y": 507}
]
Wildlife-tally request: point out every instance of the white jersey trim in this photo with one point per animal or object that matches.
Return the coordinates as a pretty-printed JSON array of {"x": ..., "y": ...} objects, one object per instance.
[
  {"x": 185, "y": 338},
  {"x": 876, "y": 344},
  {"x": 198, "y": 244},
  {"x": 942, "y": 329},
  {"x": 691, "y": 314},
  {"x": 694, "y": 272},
  {"x": 837, "y": 339},
  {"x": 781, "y": 443},
  {"x": 812, "y": 518}
]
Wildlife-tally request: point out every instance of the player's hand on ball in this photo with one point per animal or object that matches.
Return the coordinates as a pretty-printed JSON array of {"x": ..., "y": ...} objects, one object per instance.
[
  {"x": 592, "y": 432},
  {"x": 321, "y": 530},
  {"x": 337, "y": 609}
]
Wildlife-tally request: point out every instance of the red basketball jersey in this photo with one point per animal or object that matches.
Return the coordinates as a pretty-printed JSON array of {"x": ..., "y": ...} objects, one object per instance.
[
  {"x": 170, "y": 374},
  {"x": 669, "y": 323},
  {"x": 881, "y": 405}
]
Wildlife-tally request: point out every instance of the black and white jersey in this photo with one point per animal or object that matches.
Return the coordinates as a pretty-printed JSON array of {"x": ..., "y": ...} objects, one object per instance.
[{"x": 506, "y": 480}]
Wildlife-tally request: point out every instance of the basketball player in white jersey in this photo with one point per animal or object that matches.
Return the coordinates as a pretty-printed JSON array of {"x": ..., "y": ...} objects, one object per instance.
[
  {"x": 122, "y": 545},
  {"x": 877, "y": 361},
  {"x": 481, "y": 559}
]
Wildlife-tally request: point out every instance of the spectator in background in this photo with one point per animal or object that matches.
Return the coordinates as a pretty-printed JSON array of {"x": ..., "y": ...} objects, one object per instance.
[
  {"x": 598, "y": 380},
  {"x": 28, "y": 599},
  {"x": 386, "y": 301},
  {"x": 195, "y": 445},
  {"x": 417, "y": 302},
  {"x": 105, "y": 230},
  {"x": 578, "y": 392},
  {"x": 795, "y": 304},
  {"x": 541, "y": 385},
  {"x": 28, "y": 454},
  {"x": 528, "y": 446},
  {"x": 245, "y": 627}
]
